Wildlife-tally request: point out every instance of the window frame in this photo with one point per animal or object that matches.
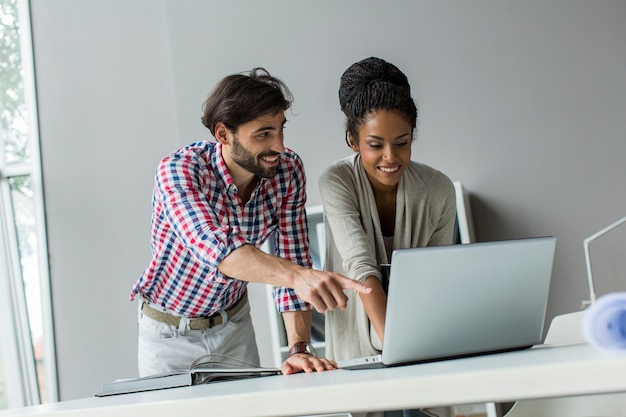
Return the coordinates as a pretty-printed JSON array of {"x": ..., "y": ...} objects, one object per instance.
[{"x": 18, "y": 357}]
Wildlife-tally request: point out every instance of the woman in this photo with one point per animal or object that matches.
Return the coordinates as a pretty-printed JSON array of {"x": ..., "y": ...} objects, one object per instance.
[{"x": 377, "y": 200}]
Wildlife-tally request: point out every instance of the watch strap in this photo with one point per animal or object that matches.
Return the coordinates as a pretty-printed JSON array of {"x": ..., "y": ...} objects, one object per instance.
[{"x": 302, "y": 347}]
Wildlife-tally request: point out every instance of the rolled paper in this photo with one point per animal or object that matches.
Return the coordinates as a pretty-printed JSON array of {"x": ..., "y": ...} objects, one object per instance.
[{"x": 604, "y": 322}]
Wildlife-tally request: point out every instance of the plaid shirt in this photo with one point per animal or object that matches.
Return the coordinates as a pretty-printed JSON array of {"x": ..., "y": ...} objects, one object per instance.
[{"x": 198, "y": 219}]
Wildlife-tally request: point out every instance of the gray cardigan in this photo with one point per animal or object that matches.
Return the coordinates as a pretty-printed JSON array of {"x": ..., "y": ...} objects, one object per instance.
[{"x": 425, "y": 216}]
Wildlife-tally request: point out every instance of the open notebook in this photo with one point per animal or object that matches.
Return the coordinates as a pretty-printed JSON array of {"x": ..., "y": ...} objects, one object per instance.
[
  {"x": 204, "y": 370},
  {"x": 462, "y": 300}
]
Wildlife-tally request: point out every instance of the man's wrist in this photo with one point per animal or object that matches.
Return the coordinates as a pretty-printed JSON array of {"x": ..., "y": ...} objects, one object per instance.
[{"x": 302, "y": 347}]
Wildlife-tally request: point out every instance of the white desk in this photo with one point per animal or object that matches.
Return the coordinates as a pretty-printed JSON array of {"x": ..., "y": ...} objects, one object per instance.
[{"x": 534, "y": 373}]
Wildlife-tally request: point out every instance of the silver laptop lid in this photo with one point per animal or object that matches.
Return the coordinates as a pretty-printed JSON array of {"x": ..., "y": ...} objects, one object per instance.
[{"x": 459, "y": 300}]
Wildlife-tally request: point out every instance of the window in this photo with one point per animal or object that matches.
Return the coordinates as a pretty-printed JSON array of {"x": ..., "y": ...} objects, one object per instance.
[{"x": 27, "y": 357}]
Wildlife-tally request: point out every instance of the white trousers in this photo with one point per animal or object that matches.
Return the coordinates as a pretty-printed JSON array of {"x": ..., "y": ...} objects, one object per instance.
[{"x": 163, "y": 347}]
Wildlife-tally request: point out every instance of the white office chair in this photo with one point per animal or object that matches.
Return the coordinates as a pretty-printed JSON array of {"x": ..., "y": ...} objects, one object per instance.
[{"x": 564, "y": 330}]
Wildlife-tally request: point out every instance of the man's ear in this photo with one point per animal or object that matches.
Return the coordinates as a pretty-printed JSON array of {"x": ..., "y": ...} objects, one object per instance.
[
  {"x": 352, "y": 143},
  {"x": 221, "y": 133}
]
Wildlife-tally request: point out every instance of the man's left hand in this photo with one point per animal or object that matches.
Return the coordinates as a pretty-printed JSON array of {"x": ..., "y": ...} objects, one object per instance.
[{"x": 303, "y": 362}]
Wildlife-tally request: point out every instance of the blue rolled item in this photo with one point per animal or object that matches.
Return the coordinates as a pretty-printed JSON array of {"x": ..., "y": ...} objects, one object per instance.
[{"x": 604, "y": 322}]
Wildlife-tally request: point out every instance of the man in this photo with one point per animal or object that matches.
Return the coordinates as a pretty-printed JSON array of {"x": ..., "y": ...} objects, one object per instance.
[{"x": 213, "y": 205}]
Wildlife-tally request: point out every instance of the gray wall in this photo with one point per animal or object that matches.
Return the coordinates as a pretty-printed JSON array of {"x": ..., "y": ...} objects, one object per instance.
[{"x": 524, "y": 102}]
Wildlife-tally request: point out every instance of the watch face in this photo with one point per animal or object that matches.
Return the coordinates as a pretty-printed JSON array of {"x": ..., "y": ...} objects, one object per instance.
[{"x": 310, "y": 349}]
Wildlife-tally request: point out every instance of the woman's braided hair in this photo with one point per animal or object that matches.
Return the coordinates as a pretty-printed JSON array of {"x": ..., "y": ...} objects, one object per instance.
[{"x": 370, "y": 85}]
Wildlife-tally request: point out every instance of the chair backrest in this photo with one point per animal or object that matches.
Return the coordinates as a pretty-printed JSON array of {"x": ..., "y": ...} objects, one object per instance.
[{"x": 565, "y": 329}]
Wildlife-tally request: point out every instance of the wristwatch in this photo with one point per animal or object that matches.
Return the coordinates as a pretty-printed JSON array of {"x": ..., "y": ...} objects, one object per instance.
[{"x": 302, "y": 347}]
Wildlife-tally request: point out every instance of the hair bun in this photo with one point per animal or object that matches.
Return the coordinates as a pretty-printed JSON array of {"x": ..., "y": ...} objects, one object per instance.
[{"x": 360, "y": 76}]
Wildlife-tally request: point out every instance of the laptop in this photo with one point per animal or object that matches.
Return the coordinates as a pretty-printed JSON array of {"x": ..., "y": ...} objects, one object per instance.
[{"x": 454, "y": 301}]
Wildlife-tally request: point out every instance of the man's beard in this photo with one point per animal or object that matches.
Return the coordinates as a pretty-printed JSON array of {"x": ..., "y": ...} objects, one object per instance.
[{"x": 242, "y": 157}]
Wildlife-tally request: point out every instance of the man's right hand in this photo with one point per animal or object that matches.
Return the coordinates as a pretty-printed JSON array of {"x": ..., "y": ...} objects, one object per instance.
[{"x": 324, "y": 290}]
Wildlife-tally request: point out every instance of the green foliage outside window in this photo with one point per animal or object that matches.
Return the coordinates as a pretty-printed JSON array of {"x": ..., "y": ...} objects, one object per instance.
[{"x": 13, "y": 117}]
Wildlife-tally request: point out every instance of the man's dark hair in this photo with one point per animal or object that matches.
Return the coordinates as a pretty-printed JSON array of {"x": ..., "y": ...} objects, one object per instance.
[
  {"x": 241, "y": 98},
  {"x": 370, "y": 85}
]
